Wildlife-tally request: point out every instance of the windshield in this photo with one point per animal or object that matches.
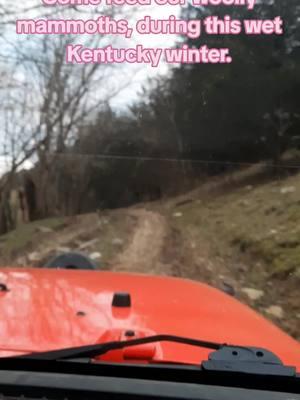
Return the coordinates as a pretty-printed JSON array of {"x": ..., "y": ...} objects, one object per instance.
[{"x": 152, "y": 137}]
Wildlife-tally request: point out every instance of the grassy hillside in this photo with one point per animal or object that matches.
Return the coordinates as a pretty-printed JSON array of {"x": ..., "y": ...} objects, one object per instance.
[
  {"x": 243, "y": 231},
  {"x": 100, "y": 236},
  {"x": 260, "y": 220}
]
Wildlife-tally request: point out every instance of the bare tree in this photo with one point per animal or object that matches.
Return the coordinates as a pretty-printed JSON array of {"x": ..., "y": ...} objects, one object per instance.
[{"x": 46, "y": 101}]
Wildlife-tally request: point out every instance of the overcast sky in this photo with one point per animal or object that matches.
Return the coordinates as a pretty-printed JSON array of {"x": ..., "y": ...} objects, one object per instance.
[
  {"x": 137, "y": 74},
  {"x": 144, "y": 71}
]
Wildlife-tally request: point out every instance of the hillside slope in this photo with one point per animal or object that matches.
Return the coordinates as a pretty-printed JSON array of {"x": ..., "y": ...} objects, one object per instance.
[
  {"x": 243, "y": 233},
  {"x": 239, "y": 232}
]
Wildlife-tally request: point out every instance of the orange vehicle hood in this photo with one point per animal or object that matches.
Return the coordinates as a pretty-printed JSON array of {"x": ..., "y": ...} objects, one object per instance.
[{"x": 47, "y": 309}]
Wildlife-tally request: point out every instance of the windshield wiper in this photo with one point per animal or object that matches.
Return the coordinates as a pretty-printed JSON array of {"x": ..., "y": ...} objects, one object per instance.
[
  {"x": 96, "y": 350},
  {"x": 226, "y": 358}
]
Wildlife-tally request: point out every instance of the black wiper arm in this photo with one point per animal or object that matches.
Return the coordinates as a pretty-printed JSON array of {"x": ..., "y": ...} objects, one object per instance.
[
  {"x": 226, "y": 358},
  {"x": 100, "y": 349}
]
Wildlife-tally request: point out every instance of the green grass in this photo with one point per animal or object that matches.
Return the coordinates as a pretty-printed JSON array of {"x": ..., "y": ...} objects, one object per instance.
[
  {"x": 15, "y": 241},
  {"x": 259, "y": 221},
  {"x": 70, "y": 233}
]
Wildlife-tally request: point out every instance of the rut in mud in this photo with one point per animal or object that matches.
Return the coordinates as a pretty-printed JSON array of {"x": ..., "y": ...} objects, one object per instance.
[
  {"x": 150, "y": 249},
  {"x": 144, "y": 249}
]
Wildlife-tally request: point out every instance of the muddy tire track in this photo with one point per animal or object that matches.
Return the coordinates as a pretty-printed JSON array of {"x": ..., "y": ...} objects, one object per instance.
[{"x": 144, "y": 251}]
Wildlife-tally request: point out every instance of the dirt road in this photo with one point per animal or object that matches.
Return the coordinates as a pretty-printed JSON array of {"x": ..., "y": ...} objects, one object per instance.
[{"x": 144, "y": 250}]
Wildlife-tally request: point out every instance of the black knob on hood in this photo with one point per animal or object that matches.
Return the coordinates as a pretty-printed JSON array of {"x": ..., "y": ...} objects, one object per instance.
[{"x": 121, "y": 299}]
